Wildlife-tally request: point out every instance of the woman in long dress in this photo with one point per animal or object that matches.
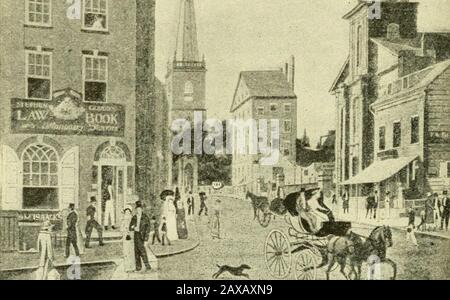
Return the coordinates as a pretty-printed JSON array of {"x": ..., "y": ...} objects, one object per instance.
[
  {"x": 169, "y": 211},
  {"x": 181, "y": 221},
  {"x": 215, "y": 219},
  {"x": 127, "y": 241}
]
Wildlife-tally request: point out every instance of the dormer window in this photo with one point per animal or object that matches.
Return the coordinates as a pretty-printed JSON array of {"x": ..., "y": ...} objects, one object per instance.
[
  {"x": 405, "y": 83},
  {"x": 389, "y": 89},
  {"x": 188, "y": 92}
]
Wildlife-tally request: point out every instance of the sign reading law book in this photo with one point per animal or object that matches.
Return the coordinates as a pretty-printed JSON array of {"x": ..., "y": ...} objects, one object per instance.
[{"x": 67, "y": 114}]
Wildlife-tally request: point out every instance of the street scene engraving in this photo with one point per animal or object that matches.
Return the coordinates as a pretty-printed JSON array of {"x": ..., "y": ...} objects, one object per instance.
[{"x": 224, "y": 140}]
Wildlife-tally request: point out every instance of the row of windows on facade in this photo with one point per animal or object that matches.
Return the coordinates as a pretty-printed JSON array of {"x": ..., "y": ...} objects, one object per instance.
[
  {"x": 286, "y": 128},
  {"x": 94, "y": 14},
  {"x": 39, "y": 76},
  {"x": 397, "y": 133}
]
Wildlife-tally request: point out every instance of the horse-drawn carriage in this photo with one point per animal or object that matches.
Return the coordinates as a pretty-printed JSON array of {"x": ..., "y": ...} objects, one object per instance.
[
  {"x": 307, "y": 247},
  {"x": 300, "y": 250}
]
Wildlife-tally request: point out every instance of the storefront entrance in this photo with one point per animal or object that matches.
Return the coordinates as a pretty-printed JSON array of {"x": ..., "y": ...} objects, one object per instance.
[{"x": 112, "y": 168}]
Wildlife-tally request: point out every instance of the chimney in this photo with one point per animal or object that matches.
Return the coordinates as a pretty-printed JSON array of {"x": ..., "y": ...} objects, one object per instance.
[
  {"x": 393, "y": 32},
  {"x": 290, "y": 71}
]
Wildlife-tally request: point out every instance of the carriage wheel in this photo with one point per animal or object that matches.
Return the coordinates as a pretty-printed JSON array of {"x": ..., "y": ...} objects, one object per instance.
[
  {"x": 278, "y": 254},
  {"x": 264, "y": 218},
  {"x": 305, "y": 265}
]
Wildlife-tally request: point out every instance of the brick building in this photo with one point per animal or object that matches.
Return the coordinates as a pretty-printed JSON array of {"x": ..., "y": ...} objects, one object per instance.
[
  {"x": 383, "y": 109},
  {"x": 71, "y": 80}
]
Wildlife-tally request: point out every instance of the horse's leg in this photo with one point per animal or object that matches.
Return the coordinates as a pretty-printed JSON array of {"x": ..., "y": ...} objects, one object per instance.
[
  {"x": 394, "y": 267},
  {"x": 359, "y": 270},
  {"x": 341, "y": 262},
  {"x": 332, "y": 260},
  {"x": 352, "y": 270}
]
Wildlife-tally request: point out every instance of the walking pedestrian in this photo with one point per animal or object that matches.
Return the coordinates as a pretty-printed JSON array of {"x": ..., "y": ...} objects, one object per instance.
[
  {"x": 72, "y": 219},
  {"x": 110, "y": 215},
  {"x": 445, "y": 210},
  {"x": 203, "y": 206},
  {"x": 369, "y": 206},
  {"x": 437, "y": 210},
  {"x": 345, "y": 202},
  {"x": 387, "y": 205},
  {"x": 410, "y": 235},
  {"x": 154, "y": 230},
  {"x": 164, "y": 236},
  {"x": 422, "y": 225},
  {"x": 190, "y": 203},
  {"x": 429, "y": 212},
  {"x": 376, "y": 201},
  {"x": 140, "y": 225},
  {"x": 129, "y": 261},
  {"x": 215, "y": 222},
  {"x": 91, "y": 214}
]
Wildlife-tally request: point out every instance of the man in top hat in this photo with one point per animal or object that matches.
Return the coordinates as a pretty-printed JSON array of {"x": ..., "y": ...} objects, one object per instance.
[
  {"x": 445, "y": 210},
  {"x": 140, "y": 224},
  {"x": 92, "y": 223},
  {"x": 72, "y": 219}
]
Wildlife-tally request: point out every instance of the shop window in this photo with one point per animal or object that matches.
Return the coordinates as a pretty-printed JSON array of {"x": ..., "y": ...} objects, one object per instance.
[
  {"x": 397, "y": 134},
  {"x": 95, "y": 71},
  {"x": 95, "y": 15},
  {"x": 414, "y": 129},
  {"x": 39, "y": 74},
  {"x": 188, "y": 92},
  {"x": 40, "y": 178},
  {"x": 382, "y": 138},
  {"x": 38, "y": 12}
]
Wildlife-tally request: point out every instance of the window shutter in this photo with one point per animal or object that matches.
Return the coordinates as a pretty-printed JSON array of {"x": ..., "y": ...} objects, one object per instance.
[
  {"x": 69, "y": 178},
  {"x": 11, "y": 183}
]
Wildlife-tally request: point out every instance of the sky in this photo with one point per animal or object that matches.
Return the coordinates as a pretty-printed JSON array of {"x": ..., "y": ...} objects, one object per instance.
[{"x": 239, "y": 35}]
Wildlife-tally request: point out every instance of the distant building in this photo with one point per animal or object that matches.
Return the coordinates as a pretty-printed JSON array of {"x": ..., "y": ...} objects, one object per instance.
[
  {"x": 264, "y": 95},
  {"x": 391, "y": 95},
  {"x": 186, "y": 88}
]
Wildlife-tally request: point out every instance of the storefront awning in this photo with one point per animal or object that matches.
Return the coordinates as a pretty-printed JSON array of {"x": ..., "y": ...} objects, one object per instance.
[{"x": 380, "y": 170}]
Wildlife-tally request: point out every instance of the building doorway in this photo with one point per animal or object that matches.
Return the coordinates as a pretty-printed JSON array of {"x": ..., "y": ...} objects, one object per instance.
[{"x": 112, "y": 185}]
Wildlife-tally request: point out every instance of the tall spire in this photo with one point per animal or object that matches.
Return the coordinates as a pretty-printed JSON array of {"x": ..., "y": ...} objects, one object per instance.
[{"x": 187, "y": 47}]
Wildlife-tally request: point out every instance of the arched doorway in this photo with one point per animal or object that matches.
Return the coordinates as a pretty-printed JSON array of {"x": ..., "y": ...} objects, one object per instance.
[{"x": 112, "y": 167}]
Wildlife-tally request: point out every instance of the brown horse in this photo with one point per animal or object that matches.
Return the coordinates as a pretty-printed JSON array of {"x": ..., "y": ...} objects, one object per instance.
[
  {"x": 258, "y": 203},
  {"x": 353, "y": 248}
]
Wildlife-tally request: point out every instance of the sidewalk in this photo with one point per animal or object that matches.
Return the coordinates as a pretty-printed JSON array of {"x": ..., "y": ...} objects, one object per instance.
[
  {"x": 11, "y": 263},
  {"x": 398, "y": 223}
]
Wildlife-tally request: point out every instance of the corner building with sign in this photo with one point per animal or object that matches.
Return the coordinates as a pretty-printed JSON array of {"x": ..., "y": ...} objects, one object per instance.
[{"x": 69, "y": 93}]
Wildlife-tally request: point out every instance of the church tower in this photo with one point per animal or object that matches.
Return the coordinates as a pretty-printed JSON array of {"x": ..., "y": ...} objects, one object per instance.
[{"x": 186, "y": 72}]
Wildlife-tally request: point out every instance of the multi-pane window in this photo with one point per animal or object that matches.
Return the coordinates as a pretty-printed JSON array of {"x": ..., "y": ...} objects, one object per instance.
[
  {"x": 287, "y": 108},
  {"x": 273, "y": 107},
  {"x": 414, "y": 129},
  {"x": 40, "y": 177},
  {"x": 382, "y": 138},
  {"x": 397, "y": 134},
  {"x": 95, "y": 15},
  {"x": 39, "y": 74},
  {"x": 95, "y": 78},
  {"x": 38, "y": 12},
  {"x": 260, "y": 111},
  {"x": 287, "y": 125}
]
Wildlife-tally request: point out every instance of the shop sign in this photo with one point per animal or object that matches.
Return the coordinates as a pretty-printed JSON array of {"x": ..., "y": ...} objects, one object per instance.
[
  {"x": 67, "y": 114},
  {"x": 25, "y": 216}
]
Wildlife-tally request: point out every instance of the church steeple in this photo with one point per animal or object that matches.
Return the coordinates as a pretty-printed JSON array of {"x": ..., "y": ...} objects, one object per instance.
[{"x": 186, "y": 44}]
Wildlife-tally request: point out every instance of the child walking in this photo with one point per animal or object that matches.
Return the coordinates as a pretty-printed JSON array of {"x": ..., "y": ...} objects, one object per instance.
[{"x": 164, "y": 232}]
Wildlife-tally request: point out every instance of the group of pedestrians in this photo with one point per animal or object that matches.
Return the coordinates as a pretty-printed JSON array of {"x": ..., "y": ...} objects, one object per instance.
[{"x": 436, "y": 213}]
